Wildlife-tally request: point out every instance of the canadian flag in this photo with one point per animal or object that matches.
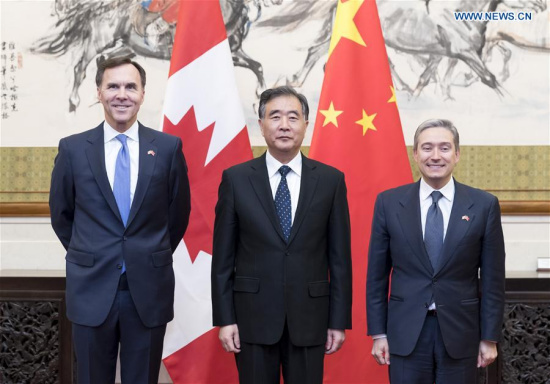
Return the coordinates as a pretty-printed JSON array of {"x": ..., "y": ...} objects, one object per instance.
[{"x": 203, "y": 108}]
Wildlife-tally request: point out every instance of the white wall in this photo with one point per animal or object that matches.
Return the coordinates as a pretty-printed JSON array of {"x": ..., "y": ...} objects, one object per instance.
[{"x": 29, "y": 243}]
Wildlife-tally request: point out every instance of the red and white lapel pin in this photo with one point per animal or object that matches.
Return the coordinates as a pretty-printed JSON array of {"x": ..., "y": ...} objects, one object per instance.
[
  {"x": 151, "y": 152},
  {"x": 465, "y": 217}
]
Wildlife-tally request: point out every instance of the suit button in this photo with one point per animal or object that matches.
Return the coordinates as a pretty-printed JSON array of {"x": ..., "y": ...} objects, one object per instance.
[
  {"x": 119, "y": 266},
  {"x": 434, "y": 281},
  {"x": 287, "y": 253},
  {"x": 124, "y": 238}
]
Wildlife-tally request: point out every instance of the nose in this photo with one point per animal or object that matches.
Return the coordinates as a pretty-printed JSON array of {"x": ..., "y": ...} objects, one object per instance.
[
  {"x": 436, "y": 155},
  {"x": 285, "y": 123},
  {"x": 121, "y": 93}
]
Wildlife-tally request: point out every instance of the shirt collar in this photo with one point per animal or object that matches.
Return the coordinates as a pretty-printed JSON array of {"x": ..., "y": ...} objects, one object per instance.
[
  {"x": 273, "y": 164},
  {"x": 448, "y": 191},
  {"x": 109, "y": 133}
]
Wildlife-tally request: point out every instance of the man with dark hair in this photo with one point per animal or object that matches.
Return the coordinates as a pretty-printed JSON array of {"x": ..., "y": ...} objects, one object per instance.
[
  {"x": 281, "y": 266},
  {"x": 120, "y": 204},
  {"x": 442, "y": 244},
  {"x": 116, "y": 62}
]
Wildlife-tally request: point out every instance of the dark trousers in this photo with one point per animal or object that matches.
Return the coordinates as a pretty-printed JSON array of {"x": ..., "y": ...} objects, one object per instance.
[
  {"x": 96, "y": 348},
  {"x": 430, "y": 363},
  {"x": 262, "y": 364}
]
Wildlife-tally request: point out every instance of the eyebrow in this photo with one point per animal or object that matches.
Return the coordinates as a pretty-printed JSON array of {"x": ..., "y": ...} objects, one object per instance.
[
  {"x": 133, "y": 84},
  {"x": 275, "y": 111},
  {"x": 439, "y": 143}
]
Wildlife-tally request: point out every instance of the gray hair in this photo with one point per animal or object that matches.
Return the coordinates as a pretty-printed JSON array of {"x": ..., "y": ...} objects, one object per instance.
[
  {"x": 270, "y": 94},
  {"x": 437, "y": 123}
]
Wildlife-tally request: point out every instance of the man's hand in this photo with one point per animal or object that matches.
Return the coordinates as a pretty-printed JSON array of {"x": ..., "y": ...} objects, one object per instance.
[
  {"x": 487, "y": 353},
  {"x": 381, "y": 351},
  {"x": 229, "y": 337},
  {"x": 335, "y": 339}
]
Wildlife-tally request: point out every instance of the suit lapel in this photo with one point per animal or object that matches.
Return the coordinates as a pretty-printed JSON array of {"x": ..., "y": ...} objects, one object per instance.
[
  {"x": 146, "y": 168},
  {"x": 260, "y": 183},
  {"x": 308, "y": 183},
  {"x": 411, "y": 224},
  {"x": 457, "y": 227},
  {"x": 96, "y": 157}
]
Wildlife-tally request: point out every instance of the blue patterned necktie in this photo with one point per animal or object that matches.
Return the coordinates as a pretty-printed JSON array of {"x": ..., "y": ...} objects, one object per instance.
[
  {"x": 282, "y": 202},
  {"x": 433, "y": 234},
  {"x": 121, "y": 185}
]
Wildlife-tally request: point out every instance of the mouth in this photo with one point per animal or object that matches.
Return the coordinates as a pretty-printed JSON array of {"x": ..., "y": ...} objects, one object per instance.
[
  {"x": 119, "y": 107},
  {"x": 435, "y": 166}
]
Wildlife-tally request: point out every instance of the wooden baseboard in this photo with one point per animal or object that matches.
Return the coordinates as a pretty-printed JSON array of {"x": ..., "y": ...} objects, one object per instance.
[
  {"x": 525, "y": 208},
  {"x": 511, "y": 207},
  {"x": 24, "y": 210}
]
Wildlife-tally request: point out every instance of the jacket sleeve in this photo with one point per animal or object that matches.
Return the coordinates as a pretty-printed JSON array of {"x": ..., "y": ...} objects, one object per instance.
[
  {"x": 339, "y": 253},
  {"x": 180, "y": 204},
  {"x": 62, "y": 195},
  {"x": 492, "y": 273},
  {"x": 378, "y": 271},
  {"x": 226, "y": 228}
]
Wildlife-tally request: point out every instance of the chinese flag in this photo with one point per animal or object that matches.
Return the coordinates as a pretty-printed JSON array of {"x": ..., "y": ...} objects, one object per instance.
[
  {"x": 358, "y": 131},
  {"x": 203, "y": 108}
]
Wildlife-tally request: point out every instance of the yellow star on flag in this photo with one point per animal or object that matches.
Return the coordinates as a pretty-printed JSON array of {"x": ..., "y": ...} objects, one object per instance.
[
  {"x": 392, "y": 98},
  {"x": 344, "y": 26},
  {"x": 366, "y": 122},
  {"x": 331, "y": 115}
]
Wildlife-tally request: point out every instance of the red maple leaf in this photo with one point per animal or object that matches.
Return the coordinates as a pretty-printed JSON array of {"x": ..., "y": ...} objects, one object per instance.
[{"x": 205, "y": 180}]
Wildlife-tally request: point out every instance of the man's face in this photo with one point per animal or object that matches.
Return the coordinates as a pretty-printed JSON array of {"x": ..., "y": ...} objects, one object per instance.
[
  {"x": 121, "y": 94},
  {"x": 283, "y": 127},
  {"x": 436, "y": 156}
]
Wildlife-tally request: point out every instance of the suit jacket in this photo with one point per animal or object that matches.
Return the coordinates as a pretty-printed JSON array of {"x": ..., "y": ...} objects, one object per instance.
[
  {"x": 467, "y": 285},
  {"x": 86, "y": 219},
  {"x": 258, "y": 279}
]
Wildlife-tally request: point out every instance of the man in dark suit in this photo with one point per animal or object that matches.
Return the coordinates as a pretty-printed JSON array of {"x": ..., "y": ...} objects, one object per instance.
[
  {"x": 120, "y": 204},
  {"x": 442, "y": 244},
  {"x": 281, "y": 268}
]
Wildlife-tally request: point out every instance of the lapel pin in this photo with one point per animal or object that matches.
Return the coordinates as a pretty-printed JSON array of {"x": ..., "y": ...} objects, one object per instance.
[
  {"x": 465, "y": 218},
  {"x": 151, "y": 152}
]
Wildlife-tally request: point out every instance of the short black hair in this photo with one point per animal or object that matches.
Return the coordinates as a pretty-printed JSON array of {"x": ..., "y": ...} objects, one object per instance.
[
  {"x": 117, "y": 62},
  {"x": 270, "y": 94}
]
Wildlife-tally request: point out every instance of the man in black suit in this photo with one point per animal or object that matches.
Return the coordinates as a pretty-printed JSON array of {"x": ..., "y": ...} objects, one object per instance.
[
  {"x": 281, "y": 268},
  {"x": 442, "y": 244},
  {"x": 120, "y": 205}
]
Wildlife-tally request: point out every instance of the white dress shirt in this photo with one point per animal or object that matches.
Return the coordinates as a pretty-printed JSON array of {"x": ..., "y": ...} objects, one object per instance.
[
  {"x": 293, "y": 178},
  {"x": 445, "y": 203},
  {"x": 112, "y": 147}
]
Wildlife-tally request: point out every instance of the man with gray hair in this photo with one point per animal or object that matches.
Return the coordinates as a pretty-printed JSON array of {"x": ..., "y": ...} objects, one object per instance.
[
  {"x": 437, "y": 248},
  {"x": 281, "y": 263}
]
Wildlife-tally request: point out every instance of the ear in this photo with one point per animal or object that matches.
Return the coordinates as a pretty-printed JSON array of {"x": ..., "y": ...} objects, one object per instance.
[
  {"x": 260, "y": 123},
  {"x": 457, "y": 156}
]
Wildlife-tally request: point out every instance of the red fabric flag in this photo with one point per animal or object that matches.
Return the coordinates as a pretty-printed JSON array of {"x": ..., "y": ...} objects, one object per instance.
[
  {"x": 358, "y": 131},
  {"x": 202, "y": 107}
]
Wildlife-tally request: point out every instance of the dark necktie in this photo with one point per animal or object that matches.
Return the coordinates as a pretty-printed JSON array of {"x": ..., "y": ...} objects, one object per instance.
[
  {"x": 282, "y": 202},
  {"x": 433, "y": 234},
  {"x": 121, "y": 185}
]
